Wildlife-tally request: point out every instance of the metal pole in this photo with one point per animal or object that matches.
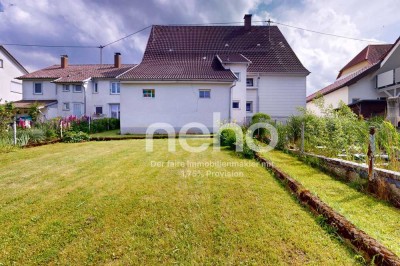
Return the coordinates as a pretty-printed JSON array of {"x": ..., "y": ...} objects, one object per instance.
[
  {"x": 89, "y": 123},
  {"x": 371, "y": 153},
  {"x": 15, "y": 130},
  {"x": 302, "y": 137}
]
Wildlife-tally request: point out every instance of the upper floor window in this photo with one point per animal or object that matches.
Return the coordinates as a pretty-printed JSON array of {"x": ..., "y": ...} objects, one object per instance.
[
  {"x": 204, "y": 93},
  {"x": 149, "y": 93},
  {"x": 96, "y": 88},
  {"x": 236, "y": 104},
  {"x": 65, "y": 87},
  {"x": 115, "y": 88},
  {"x": 78, "y": 88},
  {"x": 249, "y": 82},
  {"x": 1, "y": 63},
  {"x": 237, "y": 74},
  {"x": 37, "y": 88}
]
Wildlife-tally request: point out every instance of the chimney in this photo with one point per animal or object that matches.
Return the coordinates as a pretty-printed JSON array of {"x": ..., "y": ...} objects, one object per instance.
[
  {"x": 247, "y": 21},
  {"x": 64, "y": 61},
  {"x": 117, "y": 60}
]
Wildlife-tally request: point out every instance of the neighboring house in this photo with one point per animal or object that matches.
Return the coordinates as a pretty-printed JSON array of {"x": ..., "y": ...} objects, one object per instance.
[
  {"x": 364, "y": 83},
  {"x": 10, "y": 88},
  {"x": 64, "y": 90},
  {"x": 190, "y": 72}
]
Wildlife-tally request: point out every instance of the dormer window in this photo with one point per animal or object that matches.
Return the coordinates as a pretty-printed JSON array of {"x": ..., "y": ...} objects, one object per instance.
[{"x": 37, "y": 88}]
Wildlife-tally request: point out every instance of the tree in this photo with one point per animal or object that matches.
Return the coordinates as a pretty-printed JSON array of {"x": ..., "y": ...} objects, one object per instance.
[{"x": 6, "y": 116}]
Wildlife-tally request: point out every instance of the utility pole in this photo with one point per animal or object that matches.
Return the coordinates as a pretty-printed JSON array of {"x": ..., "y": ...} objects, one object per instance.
[
  {"x": 101, "y": 53},
  {"x": 371, "y": 153}
]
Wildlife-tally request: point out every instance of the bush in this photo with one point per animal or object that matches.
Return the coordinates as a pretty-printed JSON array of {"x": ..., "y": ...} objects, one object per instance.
[
  {"x": 36, "y": 135},
  {"x": 74, "y": 137},
  {"x": 228, "y": 138},
  {"x": 261, "y": 133},
  {"x": 96, "y": 125},
  {"x": 247, "y": 152}
]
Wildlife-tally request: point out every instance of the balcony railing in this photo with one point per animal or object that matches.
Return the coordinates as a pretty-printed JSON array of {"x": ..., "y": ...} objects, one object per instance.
[{"x": 388, "y": 78}]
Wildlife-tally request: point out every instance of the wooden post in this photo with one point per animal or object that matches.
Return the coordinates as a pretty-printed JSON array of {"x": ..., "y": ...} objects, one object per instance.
[
  {"x": 371, "y": 153},
  {"x": 302, "y": 138},
  {"x": 61, "y": 129},
  {"x": 89, "y": 123},
  {"x": 15, "y": 130}
]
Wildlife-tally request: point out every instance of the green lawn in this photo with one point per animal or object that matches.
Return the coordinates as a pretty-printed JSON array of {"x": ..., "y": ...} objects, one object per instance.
[
  {"x": 110, "y": 134},
  {"x": 104, "y": 203},
  {"x": 377, "y": 218}
]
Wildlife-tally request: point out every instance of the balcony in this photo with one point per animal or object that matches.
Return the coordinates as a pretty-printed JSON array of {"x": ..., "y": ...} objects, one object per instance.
[{"x": 388, "y": 79}]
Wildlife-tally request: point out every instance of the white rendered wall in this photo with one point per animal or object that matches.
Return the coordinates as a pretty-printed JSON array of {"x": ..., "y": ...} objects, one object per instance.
[
  {"x": 48, "y": 89},
  {"x": 332, "y": 98},
  {"x": 281, "y": 95},
  {"x": 174, "y": 103},
  {"x": 10, "y": 88}
]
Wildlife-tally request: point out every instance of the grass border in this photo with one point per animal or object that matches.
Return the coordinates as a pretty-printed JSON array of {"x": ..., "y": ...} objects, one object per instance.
[{"x": 370, "y": 248}]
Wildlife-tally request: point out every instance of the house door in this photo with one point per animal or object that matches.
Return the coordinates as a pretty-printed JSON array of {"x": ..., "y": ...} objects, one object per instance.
[
  {"x": 114, "y": 111},
  {"x": 77, "y": 109}
]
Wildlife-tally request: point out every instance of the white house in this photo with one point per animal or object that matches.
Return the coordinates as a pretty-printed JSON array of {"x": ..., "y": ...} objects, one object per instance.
[
  {"x": 64, "y": 90},
  {"x": 10, "y": 88},
  {"x": 189, "y": 72},
  {"x": 365, "y": 83}
]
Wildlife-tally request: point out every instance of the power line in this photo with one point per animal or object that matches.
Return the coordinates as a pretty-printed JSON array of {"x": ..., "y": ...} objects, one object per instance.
[
  {"x": 49, "y": 46},
  {"x": 319, "y": 32},
  {"x": 123, "y": 38}
]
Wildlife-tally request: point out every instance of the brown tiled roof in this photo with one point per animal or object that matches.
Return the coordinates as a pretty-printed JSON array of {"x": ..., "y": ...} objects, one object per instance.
[
  {"x": 77, "y": 73},
  {"x": 189, "y": 52},
  {"x": 371, "y": 53},
  {"x": 23, "y": 104},
  {"x": 345, "y": 81}
]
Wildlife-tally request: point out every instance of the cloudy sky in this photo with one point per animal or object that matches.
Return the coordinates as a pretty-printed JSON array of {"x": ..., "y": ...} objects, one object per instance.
[{"x": 98, "y": 22}]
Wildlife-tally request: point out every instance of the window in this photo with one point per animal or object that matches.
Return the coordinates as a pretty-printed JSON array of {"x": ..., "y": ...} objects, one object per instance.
[
  {"x": 78, "y": 88},
  {"x": 77, "y": 111},
  {"x": 249, "y": 107},
  {"x": 1, "y": 63},
  {"x": 65, "y": 106},
  {"x": 114, "y": 111},
  {"x": 205, "y": 93},
  {"x": 355, "y": 100},
  {"x": 115, "y": 89},
  {"x": 237, "y": 74},
  {"x": 149, "y": 93},
  {"x": 65, "y": 87},
  {"x": 96, "y": 88},
  {"x": 249, "y": 82},
  {"x": 99, "y": 110},
  {"x": 235, "y": 104},
  {"x": 37, "y": 88}
]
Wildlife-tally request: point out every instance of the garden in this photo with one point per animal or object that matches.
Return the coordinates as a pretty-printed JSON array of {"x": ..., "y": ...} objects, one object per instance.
[{"x": 31, "y": 130}]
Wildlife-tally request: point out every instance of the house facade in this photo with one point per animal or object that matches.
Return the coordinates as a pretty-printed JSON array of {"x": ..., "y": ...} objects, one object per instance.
[
  {"x": 190, "y": 72},
  {"x": 365, "y": 83},
  {"x": 10, "y": 87},
  {"x": 65, "y": 90},
  {"x": 187, "y": 74}
]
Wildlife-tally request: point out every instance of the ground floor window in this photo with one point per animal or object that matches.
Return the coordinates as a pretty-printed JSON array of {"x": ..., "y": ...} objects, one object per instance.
[
  {"x": 99, "y": 110},
  {"x": 236, "y": 104},
  {"x": 65, "y": 106},
  {"x": 77, "y": 109},
  {"x": 249, "y": 106},
  {"x": 114, "y": 111}
]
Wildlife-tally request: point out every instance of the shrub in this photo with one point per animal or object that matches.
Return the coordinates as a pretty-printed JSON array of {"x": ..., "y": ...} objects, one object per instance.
[
  {"x": 36, "y": 135},
  {"x": 96, "y": 125},
  {"x": 74, "y": 137},
  {"x": 261, "y": 133},
  {"x": 247, "y": 152},
  {"x": 228, "y": 138}
]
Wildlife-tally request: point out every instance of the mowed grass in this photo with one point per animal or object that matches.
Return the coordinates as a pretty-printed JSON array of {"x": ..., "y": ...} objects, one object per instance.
[
  {"x": 377, "y": 218},
  {"x": 105, "y": 203}
]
